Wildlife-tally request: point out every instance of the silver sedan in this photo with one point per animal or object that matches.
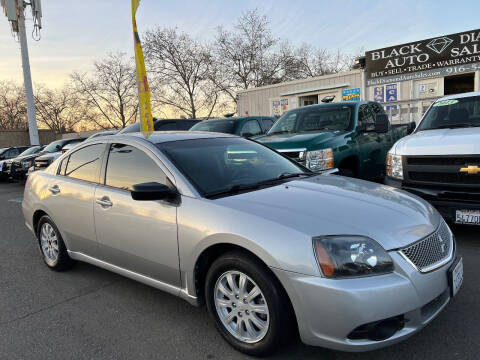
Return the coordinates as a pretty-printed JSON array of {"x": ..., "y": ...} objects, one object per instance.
[{"x": 270, "y": 247}]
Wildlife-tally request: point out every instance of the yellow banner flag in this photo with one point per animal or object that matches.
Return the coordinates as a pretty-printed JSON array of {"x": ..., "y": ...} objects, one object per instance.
[{"x": 146, "y": 119}]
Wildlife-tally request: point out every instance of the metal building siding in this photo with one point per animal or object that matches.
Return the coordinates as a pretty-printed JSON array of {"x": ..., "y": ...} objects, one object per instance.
[{"x": 257, "y": 101}]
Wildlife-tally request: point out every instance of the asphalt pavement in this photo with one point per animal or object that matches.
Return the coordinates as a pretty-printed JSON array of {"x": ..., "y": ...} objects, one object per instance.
[{"x": 90, "y": 313}]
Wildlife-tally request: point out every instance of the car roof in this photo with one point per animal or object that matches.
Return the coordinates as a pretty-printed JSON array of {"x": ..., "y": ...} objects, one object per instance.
[
  {"x": 158, "y": 137},
  {"x": 459, "y": 96}
]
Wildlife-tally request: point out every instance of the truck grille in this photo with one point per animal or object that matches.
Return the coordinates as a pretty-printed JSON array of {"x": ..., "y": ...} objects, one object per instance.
[
  {"x": 442, "y": 170},
  {"x": 432, "y": 251}
]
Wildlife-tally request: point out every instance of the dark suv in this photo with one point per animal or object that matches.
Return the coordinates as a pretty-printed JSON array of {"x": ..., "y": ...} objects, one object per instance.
[{"x": 162, "y": 125}]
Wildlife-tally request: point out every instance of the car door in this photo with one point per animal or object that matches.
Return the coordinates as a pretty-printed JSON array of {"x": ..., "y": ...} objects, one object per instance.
[
  {"x": 140, "y": 236},
  {"x": 70, "y": 197},
  {"x": 384, "y": 139}
]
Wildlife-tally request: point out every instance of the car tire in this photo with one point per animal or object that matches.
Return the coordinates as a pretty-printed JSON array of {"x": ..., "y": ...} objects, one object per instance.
[
  {"x": 278, "y": 317},
  {"x": 347, "y": 172},
  {"x": 52, "y": 247}
]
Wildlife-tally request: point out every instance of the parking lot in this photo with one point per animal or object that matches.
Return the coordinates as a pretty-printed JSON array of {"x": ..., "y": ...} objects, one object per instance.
[{"x": 90, "y": 313}]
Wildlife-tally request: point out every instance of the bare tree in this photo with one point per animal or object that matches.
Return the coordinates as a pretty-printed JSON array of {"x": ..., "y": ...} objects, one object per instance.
[
  {"x": 59, "y": 110},
  {"x": 109, "y": 94},
  {"x": 13, "y": 110},
  {"x": 248, "y": 56},
  {"x": 181, "y": 67}
]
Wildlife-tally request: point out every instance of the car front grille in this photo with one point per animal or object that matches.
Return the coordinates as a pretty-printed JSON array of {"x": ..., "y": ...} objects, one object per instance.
[
  {"x": 432, "y": 251},
  {"x": 442, "y": 170}
]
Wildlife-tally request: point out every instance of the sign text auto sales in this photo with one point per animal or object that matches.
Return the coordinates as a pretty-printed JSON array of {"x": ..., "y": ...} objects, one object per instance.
[{"x": 426, "y": 56}]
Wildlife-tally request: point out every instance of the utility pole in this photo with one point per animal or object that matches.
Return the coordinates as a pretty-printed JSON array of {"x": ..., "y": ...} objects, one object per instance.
[
  {"x": 15, "y": 12},
  {"x": 27, "y": 77}
]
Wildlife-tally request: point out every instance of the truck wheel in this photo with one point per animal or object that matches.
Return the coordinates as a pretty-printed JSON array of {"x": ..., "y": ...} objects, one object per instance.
[
  {"x": 247, "y": 304},
  {"x": 52, "y": 247}
]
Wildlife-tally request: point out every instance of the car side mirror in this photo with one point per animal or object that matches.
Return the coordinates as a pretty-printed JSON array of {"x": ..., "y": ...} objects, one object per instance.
[
  {"x": 381, "y": 123},
  {"x": 411, "y": 126},
  {"x": 153, "y": 191}
]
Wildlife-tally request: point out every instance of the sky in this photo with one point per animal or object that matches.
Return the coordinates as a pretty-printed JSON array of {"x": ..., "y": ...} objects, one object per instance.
[{"x": 75, "y": 33}]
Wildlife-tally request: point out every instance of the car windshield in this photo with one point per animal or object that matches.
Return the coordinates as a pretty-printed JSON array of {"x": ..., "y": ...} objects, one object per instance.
[
  {"x": 220, "y": 126},
  {"x": 315, "y": 118},
  {"x": 452, "y": 113},
  {"x": 52, "y": 147},
  {"x": 224, "y": 166},
  {"x": 32, "y": 150}
]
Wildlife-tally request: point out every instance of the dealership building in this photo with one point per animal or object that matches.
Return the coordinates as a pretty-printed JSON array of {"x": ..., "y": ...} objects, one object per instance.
[{"x": 406, "y": 79}]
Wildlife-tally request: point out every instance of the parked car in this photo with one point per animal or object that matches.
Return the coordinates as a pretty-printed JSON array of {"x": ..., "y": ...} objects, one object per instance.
[
  {"x": 440, "y": 161},
  {"x": 43, "y": 161},
  {"x": 351, "y": 136},
  {"x": 248, "y": 127},
  {"x": 19, "y": 168},
  {"x": 267, "y": 244},
  {"x": 5, "y": 165},
  {"x": 162, "y": 125},
  {"x": 10, "y": 152}
]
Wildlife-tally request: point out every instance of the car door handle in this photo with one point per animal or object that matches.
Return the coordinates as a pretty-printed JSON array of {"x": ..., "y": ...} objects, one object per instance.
[
  {"x": 54, "y": 189},
  {"x": 104, "y": 202}
]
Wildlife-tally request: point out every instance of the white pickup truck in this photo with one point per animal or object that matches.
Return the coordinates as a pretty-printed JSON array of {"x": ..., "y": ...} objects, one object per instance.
[{"x": 440, "y": 160}]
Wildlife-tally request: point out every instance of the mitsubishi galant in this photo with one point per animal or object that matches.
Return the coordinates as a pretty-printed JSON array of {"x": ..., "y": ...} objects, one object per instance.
[{"x": 270, "y": 247}]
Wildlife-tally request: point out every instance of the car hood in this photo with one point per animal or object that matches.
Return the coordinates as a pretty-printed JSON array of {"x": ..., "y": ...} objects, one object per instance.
[
  {"x": 49, "y": 156},
  {"x": 336, "y": 205},
  {"x": 463, "y": 141},
  {"x": 299, "y": 140}
]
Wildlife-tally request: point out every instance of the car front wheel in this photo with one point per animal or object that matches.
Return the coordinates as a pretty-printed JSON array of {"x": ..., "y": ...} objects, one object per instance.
[{"x": 247, "y": 304}]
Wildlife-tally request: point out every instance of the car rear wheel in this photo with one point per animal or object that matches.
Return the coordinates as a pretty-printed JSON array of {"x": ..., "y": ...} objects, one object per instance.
[
  {"x": 52, "y": 247},
  {"x": 247, "y": 304}
]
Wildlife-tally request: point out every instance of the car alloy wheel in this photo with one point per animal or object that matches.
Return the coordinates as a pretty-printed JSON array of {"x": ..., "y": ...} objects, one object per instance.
[
  {"x": 49, "y": 243},
  {"x": 241, "y": 306}
]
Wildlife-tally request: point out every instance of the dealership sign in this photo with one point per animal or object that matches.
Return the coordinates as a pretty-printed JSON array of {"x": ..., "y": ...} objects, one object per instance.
[{"x": 444, "y": 55}]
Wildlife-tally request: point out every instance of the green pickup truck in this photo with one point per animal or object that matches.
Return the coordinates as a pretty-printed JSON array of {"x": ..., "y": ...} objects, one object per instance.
[{"x": 351, "y": 136}]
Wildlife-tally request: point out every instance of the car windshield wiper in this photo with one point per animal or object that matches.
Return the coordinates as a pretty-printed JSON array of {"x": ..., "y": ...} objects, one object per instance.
[
  {"x": 236, "y": 189},
  {"x": 453, "y": 126}
]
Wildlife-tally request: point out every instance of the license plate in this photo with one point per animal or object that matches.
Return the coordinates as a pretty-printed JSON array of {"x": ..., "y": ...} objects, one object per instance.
[
  {"x": 455, "y": 276},
  {"x": 470, "y": 217}
]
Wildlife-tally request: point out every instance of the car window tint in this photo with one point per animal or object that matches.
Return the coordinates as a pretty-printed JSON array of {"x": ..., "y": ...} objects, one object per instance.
[
  {"x": 128, "y": 166},
  {"x": 251, "y": 127},
  {"x": 63, "y": 166},
  {"x": 366, "y": 119},
  {"x": 84, "y": 164},
  {"x": 267, "y": 124}
]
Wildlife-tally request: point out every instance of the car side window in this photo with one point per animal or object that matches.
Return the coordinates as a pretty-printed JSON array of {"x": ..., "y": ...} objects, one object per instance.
[
  {"x": 128, "y": 166},
  {"x": 366, "y": 119},
  {"x": 165, "y": 126},
  {"x": 251, "y": 127},
  {"x": 267, "y": 124},
  {"x": 84, "y": 164}
]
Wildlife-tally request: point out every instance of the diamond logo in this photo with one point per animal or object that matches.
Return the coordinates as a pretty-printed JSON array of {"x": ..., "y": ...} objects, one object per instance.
[{"x": 439, "y": 44}]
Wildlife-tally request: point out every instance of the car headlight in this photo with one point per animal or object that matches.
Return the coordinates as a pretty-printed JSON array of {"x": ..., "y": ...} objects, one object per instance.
[
  {"x": 319, "y": 159},
  {"x": 394, "y": 166},
  {"x": 350, "y": 256},
  {"x": 27, "y": 164}
]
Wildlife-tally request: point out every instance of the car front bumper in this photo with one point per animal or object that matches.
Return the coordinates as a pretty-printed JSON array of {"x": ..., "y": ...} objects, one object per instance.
[
  {"x": 445, "y": 200},
  {"x": 329, "y": 310}
]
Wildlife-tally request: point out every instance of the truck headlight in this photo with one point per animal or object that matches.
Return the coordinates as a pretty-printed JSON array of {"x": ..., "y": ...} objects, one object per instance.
[
  {"x": 319, "y": 159},
  {"x": 394, "y": 166},
  {"x": 350, "y": 256}
]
